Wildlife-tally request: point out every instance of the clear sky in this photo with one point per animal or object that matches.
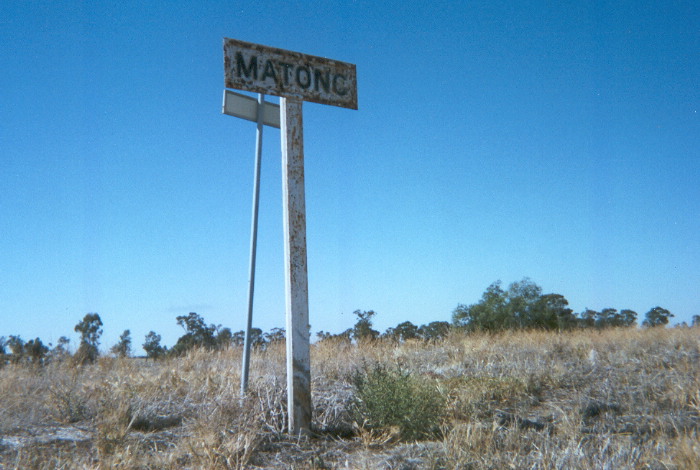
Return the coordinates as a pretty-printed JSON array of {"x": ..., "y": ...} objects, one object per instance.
[{"x": 494, "y": 140}]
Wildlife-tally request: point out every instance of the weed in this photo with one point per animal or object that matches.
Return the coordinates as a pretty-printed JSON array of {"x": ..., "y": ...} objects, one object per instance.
[
  {"x": 67, "y": 399},
  {"x": 395, "y": 401}
]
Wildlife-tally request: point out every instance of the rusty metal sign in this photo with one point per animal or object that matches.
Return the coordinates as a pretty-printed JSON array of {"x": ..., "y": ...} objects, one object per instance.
[{"x": 272, "y": 71}]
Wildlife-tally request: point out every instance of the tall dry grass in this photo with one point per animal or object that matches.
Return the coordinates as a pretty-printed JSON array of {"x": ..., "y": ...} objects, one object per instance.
[{"x": 619, "y": 398}]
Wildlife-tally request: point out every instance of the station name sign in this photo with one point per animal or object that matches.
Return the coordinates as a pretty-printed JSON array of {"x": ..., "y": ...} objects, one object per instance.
[{"x": 272, "y": 71}]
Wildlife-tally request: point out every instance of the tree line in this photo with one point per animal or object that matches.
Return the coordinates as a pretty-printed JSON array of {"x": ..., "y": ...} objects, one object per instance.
[
  {"x": 521, "y": 306},
  {"x": 197, "y": 334}
]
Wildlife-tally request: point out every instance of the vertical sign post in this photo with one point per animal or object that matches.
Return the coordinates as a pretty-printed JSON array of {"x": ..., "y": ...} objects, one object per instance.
[
  {"x": 295, "y": 275},
  {"x": 295, "y": 77}
]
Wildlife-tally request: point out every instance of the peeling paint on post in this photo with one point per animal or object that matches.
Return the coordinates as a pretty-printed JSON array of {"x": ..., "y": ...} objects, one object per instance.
[{"x": 296, "y": 279}]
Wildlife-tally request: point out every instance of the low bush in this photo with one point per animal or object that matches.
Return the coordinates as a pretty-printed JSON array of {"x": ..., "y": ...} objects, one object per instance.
[{"x": 389, "y": 398}]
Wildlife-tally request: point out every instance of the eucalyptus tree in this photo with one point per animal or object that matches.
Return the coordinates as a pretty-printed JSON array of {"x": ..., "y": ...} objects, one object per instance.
[
  {"x": 657, "y": 316},
  {"x": 90, "y": 329}
]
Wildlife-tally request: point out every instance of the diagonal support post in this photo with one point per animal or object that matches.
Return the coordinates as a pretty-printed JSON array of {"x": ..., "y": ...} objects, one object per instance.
[{"x": 245, "y": 367}]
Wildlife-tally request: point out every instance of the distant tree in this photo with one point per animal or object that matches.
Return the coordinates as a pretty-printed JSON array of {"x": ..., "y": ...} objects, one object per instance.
[
  {"x": 35, "y": 351},
  {"x": 3, "y": 351},
  {"x": 610, "y": 317},
  {"x": 587, "y": 318},
  {"x": 224, "y": 338},
  {"x": 402, "y": 332},
  {"x": 16, "y": 345},
  {"x": 257, "y": 338},
  {"x": 195, "y": 326},
  {"x": 627, "y": 317},
  {"x": 323, "y": 335},
  {"x": 488, "y": 314},
  {"x": 63, "y": 343},
  {"x": 197, "y": 334},
  {"x": 152, "y": 346},
  {"x": 123, "y": 347},
  {"x": 238, "y": 338},
  {"x": 90, "y": 329},
  {"x": 522, "y": 299},
  {"x": 60, "y": 351},
  {"x": 551, "y": 312},
  {"x": 606, "y": 318},
  {"x": 363, "y": 331},
  {"x": 434, "y": 331},
  {"x": 657, "y": 316},
  {"x": 345, "y": 336},
  {"x": 522, "y": 305},
  {"x": 276, "y": 335},
  {"x": 696, "y": 321}
]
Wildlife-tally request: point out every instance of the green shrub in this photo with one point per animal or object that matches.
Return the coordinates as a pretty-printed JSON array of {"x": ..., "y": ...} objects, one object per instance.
[{"x": 388, "y": 398}]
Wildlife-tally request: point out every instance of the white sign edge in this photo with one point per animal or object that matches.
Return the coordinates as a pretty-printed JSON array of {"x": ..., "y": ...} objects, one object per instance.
[{"x": 246, "y": 107}]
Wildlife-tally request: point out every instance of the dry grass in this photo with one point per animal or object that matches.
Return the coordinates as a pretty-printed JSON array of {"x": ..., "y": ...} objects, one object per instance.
[{"x": 622, "y": 398}]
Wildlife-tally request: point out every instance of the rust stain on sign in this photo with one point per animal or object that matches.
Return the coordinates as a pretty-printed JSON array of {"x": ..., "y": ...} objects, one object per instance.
[{"x": 272, "y": 71}]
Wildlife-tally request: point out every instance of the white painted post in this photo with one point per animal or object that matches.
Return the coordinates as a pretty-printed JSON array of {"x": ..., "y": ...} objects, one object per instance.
[{"x": 296, "y": 279}]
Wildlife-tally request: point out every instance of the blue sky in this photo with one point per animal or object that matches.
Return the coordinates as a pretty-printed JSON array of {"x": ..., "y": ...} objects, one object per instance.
[{"x": 494, "y": 140}]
